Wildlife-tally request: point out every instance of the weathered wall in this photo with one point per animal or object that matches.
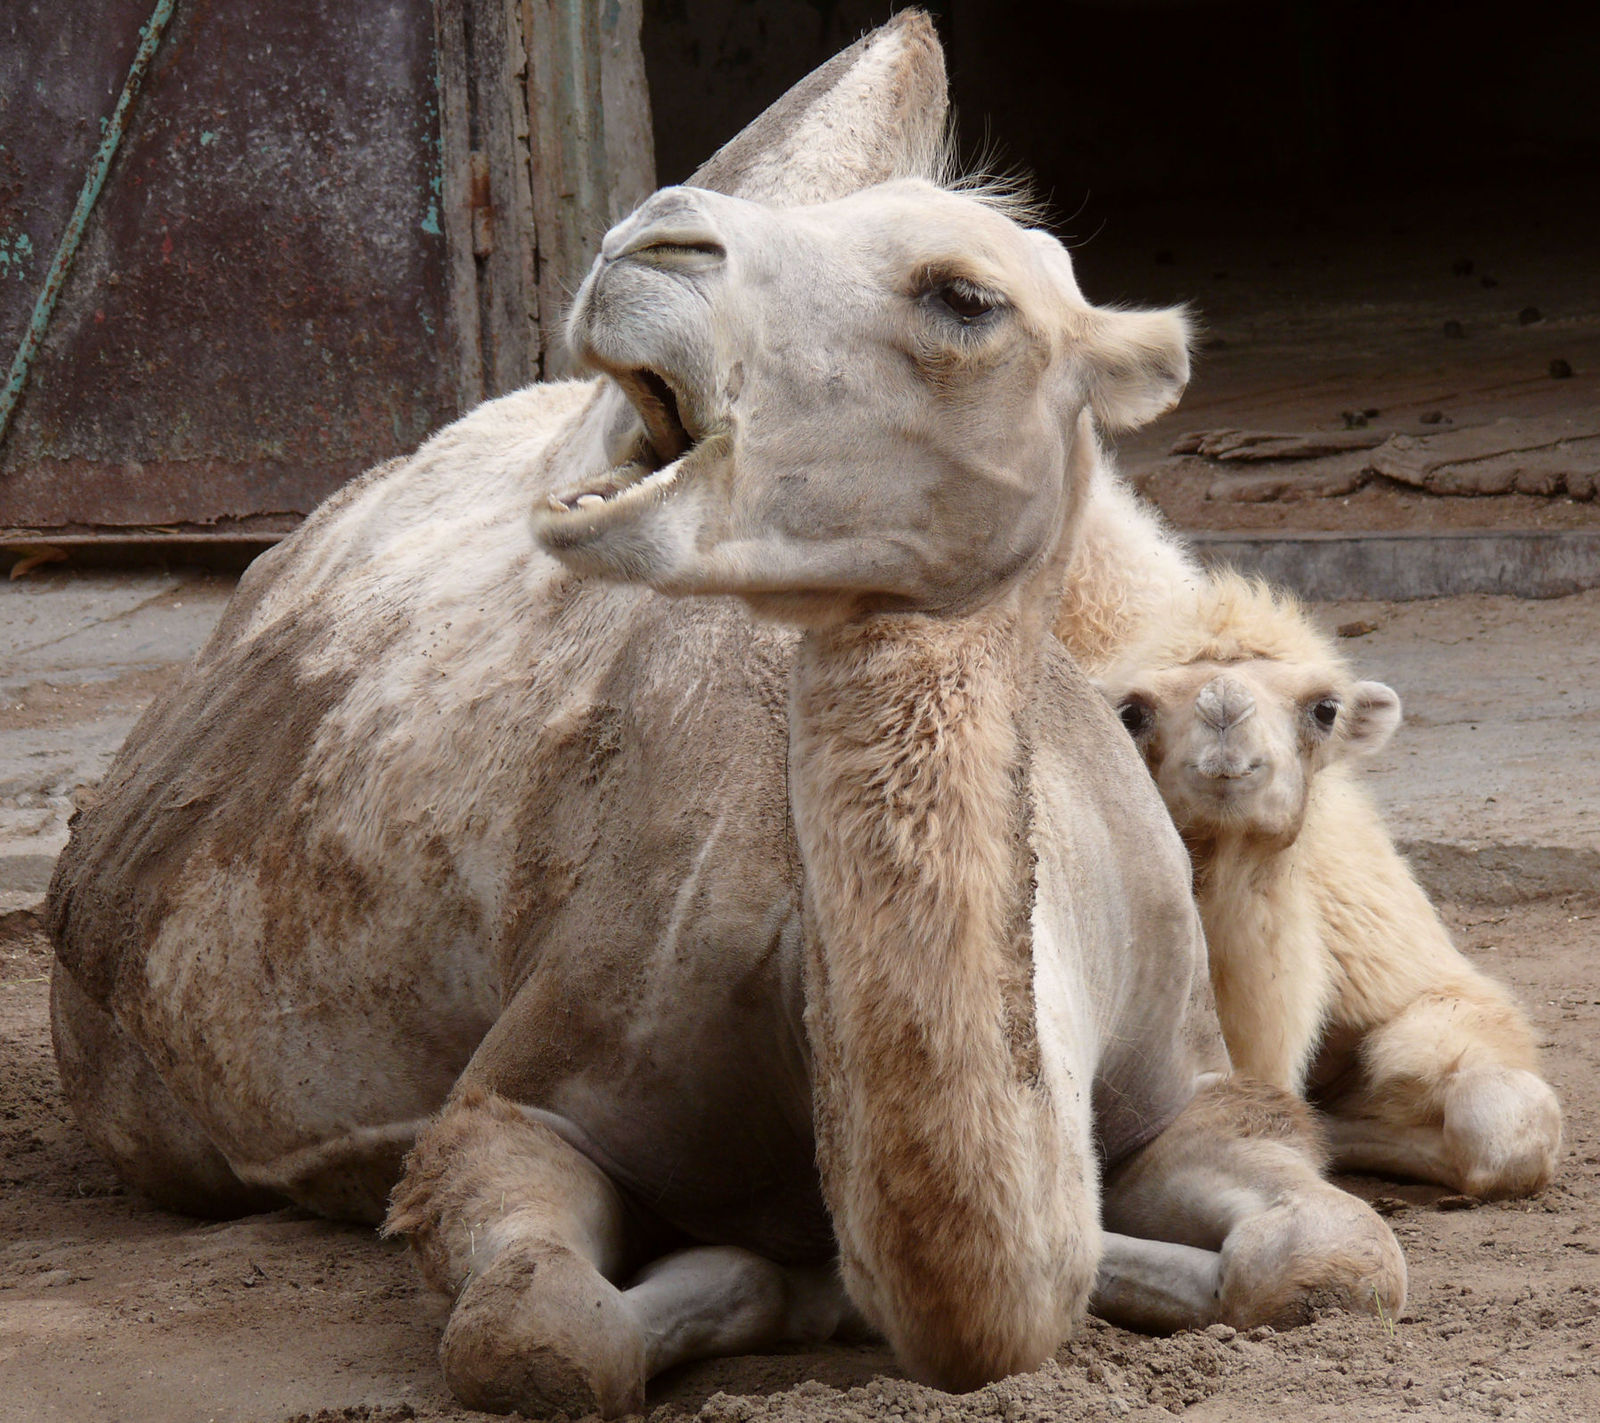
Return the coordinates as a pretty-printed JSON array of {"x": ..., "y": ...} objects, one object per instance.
[
  {"x": 329, "y": 228},
  {"x": 255, "y": 313}
]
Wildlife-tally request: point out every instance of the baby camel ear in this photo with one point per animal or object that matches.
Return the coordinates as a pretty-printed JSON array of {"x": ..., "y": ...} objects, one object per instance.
[
  {"x": 1139, "y": 365},
  {"x": 1374, "y": 716}
]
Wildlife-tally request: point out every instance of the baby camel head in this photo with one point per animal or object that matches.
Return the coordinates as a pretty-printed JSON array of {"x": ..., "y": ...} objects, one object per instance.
[
  {"x": 1237, "y": 702},
  {"x": 861, "y": 405}
]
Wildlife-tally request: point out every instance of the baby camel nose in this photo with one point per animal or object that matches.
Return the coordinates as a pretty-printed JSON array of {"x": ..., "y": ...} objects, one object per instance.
[
  {"x": 671, "y": 228},
  {"x": 1223, "y": 703}
]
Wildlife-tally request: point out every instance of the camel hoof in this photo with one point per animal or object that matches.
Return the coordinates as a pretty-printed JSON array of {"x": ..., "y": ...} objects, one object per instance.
[
  {"x": 540, "y": 1332},
  {"x": 1289, "y": 1264}
]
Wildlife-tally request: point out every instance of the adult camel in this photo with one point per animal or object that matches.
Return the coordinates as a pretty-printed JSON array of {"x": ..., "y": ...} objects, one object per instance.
[{"x": 726, "y": 980}]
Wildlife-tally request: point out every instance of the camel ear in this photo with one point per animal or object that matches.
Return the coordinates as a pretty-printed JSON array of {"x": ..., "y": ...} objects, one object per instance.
[
  {"x": 873, "y": 112},
  {"x": 1374, "y": 716},
  {"x": 1139, "y": 365}
]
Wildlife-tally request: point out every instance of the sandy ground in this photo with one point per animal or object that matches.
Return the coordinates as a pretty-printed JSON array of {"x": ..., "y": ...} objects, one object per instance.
[{"x": 112, "y": 1311}]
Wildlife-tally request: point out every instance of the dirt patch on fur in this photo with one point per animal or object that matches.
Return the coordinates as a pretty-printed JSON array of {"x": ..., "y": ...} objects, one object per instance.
[{"x": 110, "y": 1310}]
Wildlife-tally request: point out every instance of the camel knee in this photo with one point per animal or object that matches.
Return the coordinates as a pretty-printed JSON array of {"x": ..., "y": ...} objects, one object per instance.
[
  {"x": 526, "y": 1235},
  {"x": 482, "y": 1175},
  {"x": 1502, "y": 1131},
  {"x": 1239, "y": 1173},
  {"x": 1317, "y": 1248},
  {"x": 1238, "y": 1146},
  {"x": 540, "y": 1331}
]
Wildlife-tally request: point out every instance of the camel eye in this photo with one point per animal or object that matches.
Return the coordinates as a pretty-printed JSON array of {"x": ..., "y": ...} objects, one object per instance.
[
  {"x": 964, "y": 301},
  {"x": 1136, "y": 715},
  {"x": 1325, "y": 711}
]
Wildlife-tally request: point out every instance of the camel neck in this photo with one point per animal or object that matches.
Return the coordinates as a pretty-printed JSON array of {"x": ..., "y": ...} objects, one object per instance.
[{"x": 935, "y": 1139}]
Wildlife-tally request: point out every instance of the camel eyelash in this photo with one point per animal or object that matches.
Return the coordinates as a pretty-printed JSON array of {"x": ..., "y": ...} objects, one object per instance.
[{"x": 957, "y": 298}]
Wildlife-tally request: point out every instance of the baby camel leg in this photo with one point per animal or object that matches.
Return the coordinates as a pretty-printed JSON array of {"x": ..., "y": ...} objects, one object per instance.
[
  {"x": 1225, "y": 1217},
  {"x": 529, "y": 1236},
  {"x": 1447, "y": 1098}
]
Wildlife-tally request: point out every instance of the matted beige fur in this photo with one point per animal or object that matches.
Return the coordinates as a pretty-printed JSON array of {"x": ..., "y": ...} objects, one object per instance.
[{"x": 1334, "y": 975}]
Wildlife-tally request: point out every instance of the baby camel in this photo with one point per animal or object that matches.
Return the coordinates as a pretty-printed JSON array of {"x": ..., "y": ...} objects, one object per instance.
[{"x": 1334, "y": 976}]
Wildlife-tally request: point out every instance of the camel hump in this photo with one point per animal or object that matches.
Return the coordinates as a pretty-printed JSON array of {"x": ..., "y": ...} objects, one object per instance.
[{"x": 873, "y": 112}]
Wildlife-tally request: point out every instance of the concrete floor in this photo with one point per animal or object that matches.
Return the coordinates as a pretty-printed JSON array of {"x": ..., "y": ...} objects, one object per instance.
[
  {"x": 81, "y": 656},
  {"x": 1492, "y": 785}
]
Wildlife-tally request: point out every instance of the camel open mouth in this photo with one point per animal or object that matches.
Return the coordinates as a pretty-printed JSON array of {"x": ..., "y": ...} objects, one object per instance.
[{"x": 651, "y": 471}]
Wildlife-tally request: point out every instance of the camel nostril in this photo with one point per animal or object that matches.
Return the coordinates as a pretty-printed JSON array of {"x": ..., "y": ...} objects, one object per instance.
[{"x": 684, "y": 254}]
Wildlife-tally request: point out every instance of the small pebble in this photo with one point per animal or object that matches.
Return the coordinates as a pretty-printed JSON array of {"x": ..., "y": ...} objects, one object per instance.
[
  {"x": 1528, "y": 315},
  {"x": 1454, "y": 328},
  {"x": 1431, "y": 417},
  {"x": 1560, "y": 369},
  {"x": 1353, "y": 419},
  {"x": 1457, "y": 1203}
]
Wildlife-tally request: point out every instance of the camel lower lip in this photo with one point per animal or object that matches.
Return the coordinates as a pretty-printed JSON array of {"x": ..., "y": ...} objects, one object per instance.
[{"x": 617, "y": 488}]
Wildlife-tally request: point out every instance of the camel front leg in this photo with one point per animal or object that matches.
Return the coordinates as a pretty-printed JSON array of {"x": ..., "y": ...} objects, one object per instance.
[
  {"x": 530, "y": 1238},
  {"x": 1232, "y": 1222},
  {"x": 1495, "y": 1133},
  {"x": 1156, "y": 1286},
  {"x": 718, "y": 1299},
  {"x": 1446, "y": 1096},
  {"x": 526, "y": 1235}
]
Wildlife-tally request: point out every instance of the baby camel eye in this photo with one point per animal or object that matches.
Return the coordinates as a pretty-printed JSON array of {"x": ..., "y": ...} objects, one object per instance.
[
  {"x": 1136, "y": 715},
  {"x": 1325, "y": 711}
]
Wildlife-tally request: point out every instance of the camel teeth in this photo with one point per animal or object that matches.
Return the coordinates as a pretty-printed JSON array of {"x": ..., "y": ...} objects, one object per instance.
[
  {"x": 556, "y": 502},
  {"x": 590, "y": 501}
]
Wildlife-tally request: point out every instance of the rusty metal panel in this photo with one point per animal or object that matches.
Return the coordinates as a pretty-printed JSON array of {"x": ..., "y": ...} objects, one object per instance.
[{"x": 258, "y": 308}]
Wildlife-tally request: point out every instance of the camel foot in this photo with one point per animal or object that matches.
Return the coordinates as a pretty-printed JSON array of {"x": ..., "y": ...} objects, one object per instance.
[
  {"x": 540, "y": 1332},
  {"x": 1315, "y": 1250}
]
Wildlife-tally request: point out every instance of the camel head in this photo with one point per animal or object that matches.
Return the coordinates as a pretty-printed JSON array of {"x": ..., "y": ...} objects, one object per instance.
[
  {"x": 865, "y": 404},
  {"x": 1237, "y": 702}
]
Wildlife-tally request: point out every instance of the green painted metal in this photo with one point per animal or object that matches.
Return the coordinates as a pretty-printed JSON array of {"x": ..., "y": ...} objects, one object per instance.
[{"x": 116, "y": 126}]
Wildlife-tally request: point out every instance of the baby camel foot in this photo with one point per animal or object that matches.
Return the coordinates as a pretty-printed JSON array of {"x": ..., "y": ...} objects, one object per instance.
[
  {"x": 540, "y": 1332},
  {"x": 1502, "y": 1132},
  {"x": 1500, "y": 1136}
]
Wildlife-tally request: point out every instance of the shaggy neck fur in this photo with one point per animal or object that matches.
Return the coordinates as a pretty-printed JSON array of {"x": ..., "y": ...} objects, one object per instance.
[
  {"x": 959, "y": 1210},
  {"x": 1261, "y": 925}
]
